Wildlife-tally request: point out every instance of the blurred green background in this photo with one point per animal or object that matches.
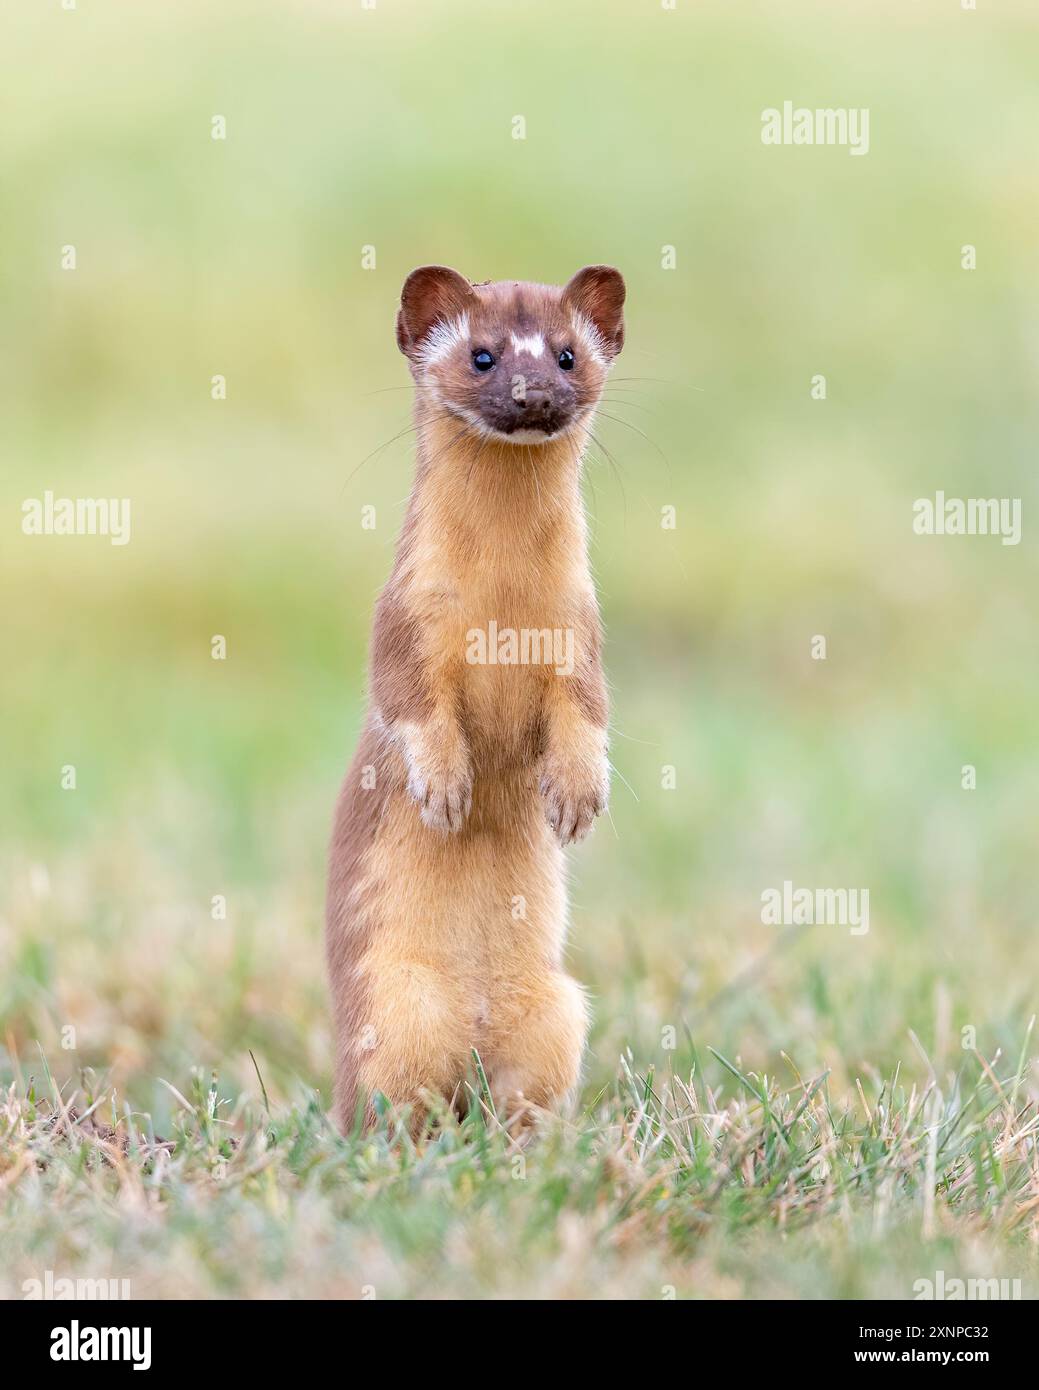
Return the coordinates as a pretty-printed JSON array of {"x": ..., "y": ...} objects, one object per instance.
[{"x": 392, "y": 128}]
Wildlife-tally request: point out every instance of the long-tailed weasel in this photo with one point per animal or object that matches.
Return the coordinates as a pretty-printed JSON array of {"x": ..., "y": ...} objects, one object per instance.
[{"x": 485, "y": 745}]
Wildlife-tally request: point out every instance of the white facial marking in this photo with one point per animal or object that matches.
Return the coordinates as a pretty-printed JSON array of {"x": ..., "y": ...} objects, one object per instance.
[
  {"x": 590, "y": 338},
  {"x": 534, "y": 345},
  {"x": 442, "y": 339}
]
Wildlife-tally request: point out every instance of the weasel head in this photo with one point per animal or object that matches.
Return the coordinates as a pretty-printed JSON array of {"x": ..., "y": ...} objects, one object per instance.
[{"x": 517, "y": 362}]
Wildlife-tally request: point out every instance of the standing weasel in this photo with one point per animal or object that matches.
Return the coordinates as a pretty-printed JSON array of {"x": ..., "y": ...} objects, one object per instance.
[{"x": 485, "y": 745}]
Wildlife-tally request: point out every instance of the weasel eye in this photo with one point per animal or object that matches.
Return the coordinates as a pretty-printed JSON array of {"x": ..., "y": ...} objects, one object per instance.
[
  {"x": 482, "y": 360},
  {"x": 566, "y": 360}
]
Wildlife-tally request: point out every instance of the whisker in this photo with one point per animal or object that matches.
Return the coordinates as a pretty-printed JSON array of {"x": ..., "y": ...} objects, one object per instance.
[
  {"x": 613, "y": 464},
  {"x": 615, "y": 769},
  {"x": 617, "y": 420},
  {"x": 646, "y": 743},
  {"x": 645, "y": 501},
  {"x": 660, "y": 381},
  {"x": 409, "y": 430},
  {"x": 414, "y": 386},
  {"x": 450, "y": 443},
  {"x": 576, "y": 448},
  {"x": 476, "y": 459},
  {"x": 534, "y": 470},
  {"x": 632, "y": 405}
]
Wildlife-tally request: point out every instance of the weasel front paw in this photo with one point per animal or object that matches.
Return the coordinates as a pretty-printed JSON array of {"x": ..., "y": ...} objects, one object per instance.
[
  {"x": 439, "y": 774},
  {"x": 575, "y": 793},
  {"x": 444, "y": 794}
]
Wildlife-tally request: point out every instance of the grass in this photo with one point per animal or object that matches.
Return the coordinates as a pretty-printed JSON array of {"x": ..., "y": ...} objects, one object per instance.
[
  {"x": 661, "y": 1187},
  {"x": 697, "y": 1158}
]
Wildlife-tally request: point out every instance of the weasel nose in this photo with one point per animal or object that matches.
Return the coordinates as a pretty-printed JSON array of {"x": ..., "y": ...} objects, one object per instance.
[{"x": 535, "y": 404}]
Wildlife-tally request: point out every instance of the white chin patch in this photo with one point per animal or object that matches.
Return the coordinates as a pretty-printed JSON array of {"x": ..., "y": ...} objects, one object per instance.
[{"x": 525, "y": 437}]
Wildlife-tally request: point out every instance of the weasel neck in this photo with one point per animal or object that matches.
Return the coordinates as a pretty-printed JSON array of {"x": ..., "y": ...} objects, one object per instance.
[{"x": 485, "y": 495}]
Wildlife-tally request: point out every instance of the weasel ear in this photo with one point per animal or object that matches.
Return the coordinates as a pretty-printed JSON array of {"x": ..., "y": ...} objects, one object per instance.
[
  {"x": 432, "y": 294},
  {"x": 597, "y": 292}
]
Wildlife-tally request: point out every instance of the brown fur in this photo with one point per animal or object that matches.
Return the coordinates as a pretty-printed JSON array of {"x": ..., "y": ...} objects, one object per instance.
[{"x": 468, "y": 777}]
